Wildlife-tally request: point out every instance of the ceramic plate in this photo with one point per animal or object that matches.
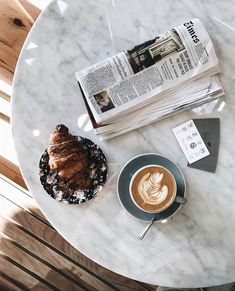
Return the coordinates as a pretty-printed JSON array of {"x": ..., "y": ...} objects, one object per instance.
[
  {"x": 129, "y": 170},
  {"x": 61, "y": 190}
]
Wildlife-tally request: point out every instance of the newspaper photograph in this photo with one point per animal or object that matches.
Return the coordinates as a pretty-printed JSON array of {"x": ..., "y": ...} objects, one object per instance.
[
  {"x": 104, "y": 101},
  {"x": 149, "y": 53},
  {"x": 134, "y": 78}
]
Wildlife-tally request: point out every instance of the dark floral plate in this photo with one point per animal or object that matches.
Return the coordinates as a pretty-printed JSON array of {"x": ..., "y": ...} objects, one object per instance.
[{"x": 62, "y": 190}]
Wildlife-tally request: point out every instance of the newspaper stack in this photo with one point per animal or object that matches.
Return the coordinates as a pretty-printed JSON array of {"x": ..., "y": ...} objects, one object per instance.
[{"x": 175, "y": 71}]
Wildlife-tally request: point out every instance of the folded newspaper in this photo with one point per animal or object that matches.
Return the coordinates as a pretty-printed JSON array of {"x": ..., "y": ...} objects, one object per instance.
[{"x": 174, "y": 71}]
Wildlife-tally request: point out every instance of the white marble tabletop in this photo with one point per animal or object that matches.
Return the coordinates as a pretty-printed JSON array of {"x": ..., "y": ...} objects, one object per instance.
[{"x": 197, "y": 246}]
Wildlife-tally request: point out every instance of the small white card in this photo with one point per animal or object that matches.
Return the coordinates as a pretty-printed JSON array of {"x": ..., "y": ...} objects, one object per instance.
[{"x": 190, "y": 141}]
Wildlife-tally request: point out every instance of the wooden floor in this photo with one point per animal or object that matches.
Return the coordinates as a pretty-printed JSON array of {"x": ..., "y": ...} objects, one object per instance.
[{"x": 34, "y": 256}]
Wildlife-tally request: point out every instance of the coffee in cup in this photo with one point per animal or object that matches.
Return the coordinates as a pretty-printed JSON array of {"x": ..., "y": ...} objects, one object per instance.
[{"x": 153, "y": 188}]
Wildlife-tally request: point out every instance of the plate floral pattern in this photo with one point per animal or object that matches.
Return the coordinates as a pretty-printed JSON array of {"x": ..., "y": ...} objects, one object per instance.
[{"x": 62, "y": 190}]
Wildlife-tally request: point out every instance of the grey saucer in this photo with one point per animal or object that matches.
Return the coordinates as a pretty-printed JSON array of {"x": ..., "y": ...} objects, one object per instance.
[{"x": 128, "y": 171}]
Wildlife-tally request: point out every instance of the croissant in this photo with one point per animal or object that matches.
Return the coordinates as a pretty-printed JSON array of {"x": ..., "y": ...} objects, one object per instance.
[{"x": 68, "y": 157}]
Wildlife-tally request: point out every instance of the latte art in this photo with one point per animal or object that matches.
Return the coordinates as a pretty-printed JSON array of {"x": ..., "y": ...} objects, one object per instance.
[{"x": 151, "y": 189}]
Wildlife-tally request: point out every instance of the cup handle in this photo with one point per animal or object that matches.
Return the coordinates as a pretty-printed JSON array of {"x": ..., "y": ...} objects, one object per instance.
[{"x": 180, "y": 200}]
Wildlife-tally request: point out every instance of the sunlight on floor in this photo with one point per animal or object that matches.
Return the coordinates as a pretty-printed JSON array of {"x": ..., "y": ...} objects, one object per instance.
[
  {"x": 6, "y": 88},
  {"x": 5, "y": 107},
  {"x": 7, "y": 209},
  {"x": 7, "y": 149}
]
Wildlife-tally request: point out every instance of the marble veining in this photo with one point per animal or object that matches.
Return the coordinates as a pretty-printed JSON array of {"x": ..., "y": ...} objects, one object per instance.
[{"x": 194, "y": 248}]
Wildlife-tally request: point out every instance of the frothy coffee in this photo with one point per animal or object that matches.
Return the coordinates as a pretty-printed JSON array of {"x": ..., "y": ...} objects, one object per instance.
[{"x": 153, "y": 188}]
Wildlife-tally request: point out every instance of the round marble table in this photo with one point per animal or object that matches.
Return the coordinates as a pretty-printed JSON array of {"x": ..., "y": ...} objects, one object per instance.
[{"x": 197, "y": 246}]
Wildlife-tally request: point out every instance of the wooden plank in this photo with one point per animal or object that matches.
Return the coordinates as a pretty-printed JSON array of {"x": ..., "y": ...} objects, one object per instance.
[
  {"x": 4, "y": 117},
  {"x": 54, "y": 241},
  {"x": 21, "y": 197},
  {"x": 149, "y": 287},
  {"x": 6, "y": 75},
  {"x": 9, "y": 56},
  {"x": 11, "y": 171},
  {"x": 30, "y": 8},
  {"x": 7, "y": 69},
  {"x": 55, "y": 260},
  {"x": 6, "y": 283},
  {"x": 15, "y": 25},
  {"x": 38, "y": 268},
  {"x": 14, "y": 184},
  {"x": 5, "y": 95},
  {"x": 13, "y": 271},
  {"x": 10, "y": 215},
  {"x": 66, "y": 249}
]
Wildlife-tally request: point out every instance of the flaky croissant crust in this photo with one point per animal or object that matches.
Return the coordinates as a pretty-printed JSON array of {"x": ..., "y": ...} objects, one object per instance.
[{"x": 68, "y": 157}]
